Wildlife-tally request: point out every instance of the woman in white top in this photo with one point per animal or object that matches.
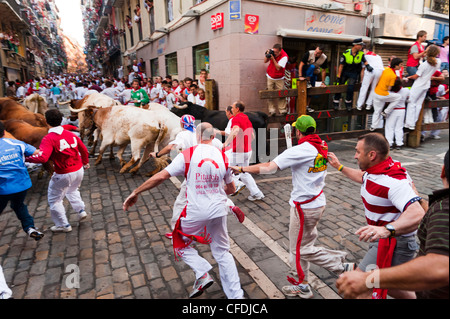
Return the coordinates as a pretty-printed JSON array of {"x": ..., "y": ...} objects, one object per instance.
[{"x": 422, "y": 82}]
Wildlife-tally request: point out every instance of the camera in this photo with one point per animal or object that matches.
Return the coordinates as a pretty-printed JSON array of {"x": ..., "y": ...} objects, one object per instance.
[{"x": 270, "y": 53}]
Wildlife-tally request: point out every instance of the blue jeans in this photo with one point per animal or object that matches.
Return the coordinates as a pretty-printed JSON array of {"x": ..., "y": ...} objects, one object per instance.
[
  {"x": 411, "y": 70},
  {"x": 19, "y": 207},
  {"x": 308, "y": 72}
]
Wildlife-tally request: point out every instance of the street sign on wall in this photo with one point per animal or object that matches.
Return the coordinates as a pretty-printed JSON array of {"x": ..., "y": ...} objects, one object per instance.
[{"x": 235, "y": 9}]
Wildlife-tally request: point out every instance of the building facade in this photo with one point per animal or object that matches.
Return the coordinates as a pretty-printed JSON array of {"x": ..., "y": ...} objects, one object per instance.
[
  {"x": 229, "y": 38},
  {"x": 31, "y": 42}
]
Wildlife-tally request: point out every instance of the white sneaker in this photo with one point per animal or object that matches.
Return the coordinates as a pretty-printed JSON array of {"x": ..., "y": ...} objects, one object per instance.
[
  {"x": 200, "y": 285},
  {"x": 35, "y": 234},
  {"x": 61, "y": 229},
  {"x": 239, "y": 187},
  {"x": 436, "y": 137},
  {"x": 258, "y": 196},
  {"x": 302, "y": 291},
  {"x": 82, "y": 215}
]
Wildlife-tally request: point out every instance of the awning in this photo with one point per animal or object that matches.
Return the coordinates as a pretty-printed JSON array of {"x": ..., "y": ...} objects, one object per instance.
[
  {"x": 381, "y": 41},
  {"x": 291, "y": 33}
]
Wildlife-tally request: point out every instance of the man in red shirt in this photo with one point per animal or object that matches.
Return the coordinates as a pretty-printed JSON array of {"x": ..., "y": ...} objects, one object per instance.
[
  {"x": 416, "y": 52},
  {"x": 277, "y": 59},
  {"x": 70, "y": 157},
  {"x": 240, "y": 138}
]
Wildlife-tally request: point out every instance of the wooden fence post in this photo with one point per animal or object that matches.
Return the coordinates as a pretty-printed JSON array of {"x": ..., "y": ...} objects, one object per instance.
[
  {"x": 302, "y": 97},
  {"x": 210, "y": 96}
]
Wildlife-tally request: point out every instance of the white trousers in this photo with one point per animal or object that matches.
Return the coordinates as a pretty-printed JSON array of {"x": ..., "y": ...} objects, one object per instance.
[
  {"x": 329, "y": 259},
  {"x": 378, "y": 104},
  {"x": 64, "y": 185},
  {"x": 5, "y": 292},
  {"x": 368, "y": 85},
  {"x": 394, "y": 127},
  {"x": 181, "y": 201},
  {"x": 220, "y": 246},
  {"x": 243, "y": 159},
  {"x": 416, "y": 98}
]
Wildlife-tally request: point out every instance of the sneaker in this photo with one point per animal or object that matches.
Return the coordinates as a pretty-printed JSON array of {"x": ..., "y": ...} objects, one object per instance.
[
  {"x": 399, "y": 147},
  {"x": 200, "y": 285},
  {"x": 35, "y": 234},
  {"x": 383, "y": 114},
  {"x": 436, "y": 137},
  {"x": 61, "y": 229},
  {"x": 258, "y": 196},
  {"x": 238, "y": 213},
  {"x": 349, "y": 267},
  {"x": 302, "y": 291},
  {"x": 372, "y": 129},
  {"x": 82, "y": 215},
  {"x": 308, "y": 85},
  {"x": 422, "y": 138},
  {"x": 391, "y": 147},
  {"x": 336, "y": 105},
  {"x": 168, "y": 235},
  {"x": 309, "y": 109},
  {"x": 239, "y": 188},
  {"x": 368, "y": 107},
  {"x": 359, "y": 108}
]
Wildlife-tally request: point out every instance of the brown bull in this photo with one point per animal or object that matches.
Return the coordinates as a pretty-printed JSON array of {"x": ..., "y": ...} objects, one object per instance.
[{"x": 11, "y": 110}]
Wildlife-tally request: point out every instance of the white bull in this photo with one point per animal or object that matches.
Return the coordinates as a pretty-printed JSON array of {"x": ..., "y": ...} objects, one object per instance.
[
  {"x": 121, "y": 125},
  {"x": 36, "y": 103}
]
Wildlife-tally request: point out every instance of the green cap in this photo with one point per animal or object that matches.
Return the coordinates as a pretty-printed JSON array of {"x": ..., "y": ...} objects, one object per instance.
[{"x": 304, "y": 122}]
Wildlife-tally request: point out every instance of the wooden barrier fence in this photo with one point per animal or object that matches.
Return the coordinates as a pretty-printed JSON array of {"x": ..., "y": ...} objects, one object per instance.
[{"x": 302, "y": 92}]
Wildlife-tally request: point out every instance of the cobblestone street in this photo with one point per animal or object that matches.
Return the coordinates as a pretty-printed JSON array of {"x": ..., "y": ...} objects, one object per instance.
[{"x": 126, "y": 255}]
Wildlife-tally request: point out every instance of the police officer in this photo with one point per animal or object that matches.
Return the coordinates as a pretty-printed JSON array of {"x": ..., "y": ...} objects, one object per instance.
[{"x": 350, "y": 66}]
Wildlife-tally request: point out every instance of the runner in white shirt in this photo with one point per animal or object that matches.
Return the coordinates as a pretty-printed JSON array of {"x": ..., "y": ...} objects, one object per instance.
[
  {"x": 370, "y": 79},
  {"x": 308, "y": 163},
  {"x": 204, "y": 219},
  {"x": 184, "y": 140}
]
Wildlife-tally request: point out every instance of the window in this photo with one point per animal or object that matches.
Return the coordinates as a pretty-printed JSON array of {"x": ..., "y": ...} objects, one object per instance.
[
  {"x": 169, "y": 6},
  {"x": 171, "y": 64},
  {"x": 201, "y": 58},
  {"x": 154, "y": 65},
  {"x": 148, "y": 4}
]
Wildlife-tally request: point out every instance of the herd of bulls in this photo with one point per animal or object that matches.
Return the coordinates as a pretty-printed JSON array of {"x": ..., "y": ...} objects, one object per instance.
[{"x": 101, "y": 117}]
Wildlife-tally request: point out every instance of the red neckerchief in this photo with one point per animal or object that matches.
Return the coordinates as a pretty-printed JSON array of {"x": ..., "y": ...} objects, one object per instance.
[
  {"x": 320, "y": 145},
  {"x": 388, "y": 167},
  {"x": 386, "y": 247}
]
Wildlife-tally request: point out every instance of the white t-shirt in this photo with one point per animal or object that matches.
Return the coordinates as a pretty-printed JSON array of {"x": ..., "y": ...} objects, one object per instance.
[
  {"x": 170, "y": 100},
  {"x": 200, "y": 101},
  {"x": 375, "y": 61},
  {"x": 308, "y": 174},
  {"x": 156, "y": 94},
  {"x": 425, "y": 71},
  {"x": 186, "y": 139},
  {"x": 192, "y": 98},
  {"x": 206, "y": 197},
  {"x": 111, "y": 92}
]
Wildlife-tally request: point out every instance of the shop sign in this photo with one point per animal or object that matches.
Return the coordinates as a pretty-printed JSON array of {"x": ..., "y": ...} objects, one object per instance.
[
  {"x": 251, "y": 23},
  {"x": 323, "y": 22},
  {"x": 217, "y": 21}
]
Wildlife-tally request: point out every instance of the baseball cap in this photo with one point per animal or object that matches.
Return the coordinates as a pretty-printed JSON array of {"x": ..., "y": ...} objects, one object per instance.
[
  {"x": 358, "y": 41},
  {"x": 304, "y": 122}
]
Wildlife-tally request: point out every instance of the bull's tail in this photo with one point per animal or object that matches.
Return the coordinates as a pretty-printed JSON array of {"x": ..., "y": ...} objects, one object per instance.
[{"x": 162, "y": 133}]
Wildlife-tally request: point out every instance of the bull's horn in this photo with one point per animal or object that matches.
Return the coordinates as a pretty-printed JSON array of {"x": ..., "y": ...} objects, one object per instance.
[
  {"x": 78, "y": 110},
  {"x": 64, "y": 103},
  {"x": 181, "y": 107}
]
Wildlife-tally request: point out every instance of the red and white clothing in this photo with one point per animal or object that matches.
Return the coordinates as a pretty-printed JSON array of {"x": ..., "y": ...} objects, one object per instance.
[
  {"x": 241, "y": 151},
  {"x": 415, "y": 48},
  {"x": 386, "y": 197},
  {"x": 68, "y": 154},
  {"x": 206, "y": 169},
  {"x": 395, "y": 121},
  {"x": 309, "y": 170},
  {"x": 272, "y": 72},
  {"x": 418, "y": 92}
]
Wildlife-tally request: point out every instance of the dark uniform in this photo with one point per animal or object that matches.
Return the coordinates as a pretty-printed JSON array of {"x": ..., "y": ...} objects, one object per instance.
[{"x": 350, "y": 74}]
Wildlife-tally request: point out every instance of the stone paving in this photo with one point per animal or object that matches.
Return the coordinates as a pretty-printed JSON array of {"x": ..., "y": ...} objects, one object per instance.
[{"x": 126, "y": 255}]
